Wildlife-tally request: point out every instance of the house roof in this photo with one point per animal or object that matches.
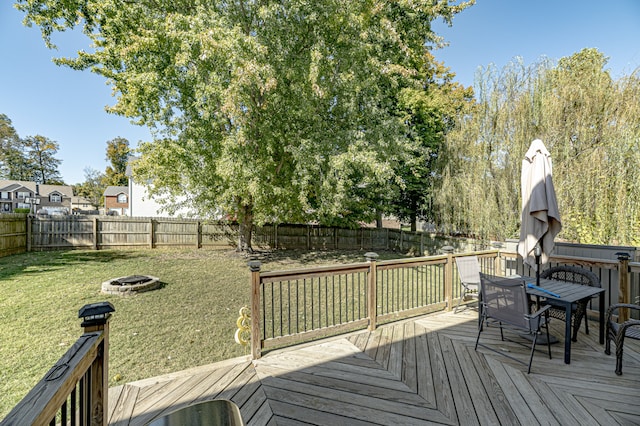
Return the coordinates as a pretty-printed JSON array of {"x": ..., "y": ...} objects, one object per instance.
[
  {"x": 114, "y": 191},
  {"x": 42, "y": 190}
]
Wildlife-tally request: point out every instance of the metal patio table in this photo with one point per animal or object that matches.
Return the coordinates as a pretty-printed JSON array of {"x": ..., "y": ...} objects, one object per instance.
[{"x": 567, "y": 294}]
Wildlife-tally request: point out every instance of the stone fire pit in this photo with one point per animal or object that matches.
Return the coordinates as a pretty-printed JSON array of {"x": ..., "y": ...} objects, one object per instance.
[{"x": 130, "y": 284}]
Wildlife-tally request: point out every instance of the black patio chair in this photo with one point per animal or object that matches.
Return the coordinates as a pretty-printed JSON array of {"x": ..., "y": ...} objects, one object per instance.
[
  {"x": 505, "y": 301},
  {"x": 618, "y": 332},
  {"x": 577, "y": 275}
]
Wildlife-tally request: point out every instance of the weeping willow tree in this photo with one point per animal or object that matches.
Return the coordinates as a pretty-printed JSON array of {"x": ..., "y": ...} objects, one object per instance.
[{"x": 589, "y": 123}]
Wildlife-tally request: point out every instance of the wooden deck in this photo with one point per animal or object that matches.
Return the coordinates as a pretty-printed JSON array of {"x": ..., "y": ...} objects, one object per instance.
[{"x": 418, "y": 372}]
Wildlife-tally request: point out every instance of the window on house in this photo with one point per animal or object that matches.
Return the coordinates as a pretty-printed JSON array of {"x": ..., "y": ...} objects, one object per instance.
[
  {"x": 5, "y": 195},
  {"x": 22, "y": 195},
  {"x": 122, "y": 198},
  {"x": 55, "y": 198}
]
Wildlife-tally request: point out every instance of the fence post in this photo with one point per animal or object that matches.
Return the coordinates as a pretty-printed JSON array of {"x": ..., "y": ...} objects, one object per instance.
[
  {"x": 448, "y": 276},
  {"x": 372, "y": 289},
  {"x": 199, "y": 234},
  {"x": 28, "y": 220},
  {"x": 275, "y": 235},
  {"x": 151, "y": 236},
  {"x": 96, "y": 318},
  {"x": 256, "y": 339},
  {"x": 95, "y": 233},
  {"x": 624, "y": 290}
]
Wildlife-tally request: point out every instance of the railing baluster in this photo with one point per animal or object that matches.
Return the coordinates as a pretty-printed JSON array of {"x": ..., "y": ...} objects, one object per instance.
[
  {"x": 280, "y": 299},
  {"x": 63, "y": 413},
  {"x": 74, "y": 406}
]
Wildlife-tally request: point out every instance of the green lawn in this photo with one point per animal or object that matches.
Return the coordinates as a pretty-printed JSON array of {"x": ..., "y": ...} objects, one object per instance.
[{"x": 190, "y": 321}]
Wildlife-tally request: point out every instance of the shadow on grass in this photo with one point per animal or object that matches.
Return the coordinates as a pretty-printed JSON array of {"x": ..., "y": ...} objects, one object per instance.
[
  {"x": 320, "y": 256},
  {"x": 37, "y": 262}
]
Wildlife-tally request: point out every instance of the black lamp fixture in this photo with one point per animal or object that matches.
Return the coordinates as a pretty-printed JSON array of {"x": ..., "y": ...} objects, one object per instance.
[{"x": 95, "y": 313}]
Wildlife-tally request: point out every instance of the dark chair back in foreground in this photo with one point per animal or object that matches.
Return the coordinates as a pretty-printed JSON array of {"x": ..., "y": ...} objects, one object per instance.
[{"x": 505, "y": 301}]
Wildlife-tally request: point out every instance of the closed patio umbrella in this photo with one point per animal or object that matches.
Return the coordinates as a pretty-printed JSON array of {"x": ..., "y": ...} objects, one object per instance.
[{"x": 540, "y": 216}]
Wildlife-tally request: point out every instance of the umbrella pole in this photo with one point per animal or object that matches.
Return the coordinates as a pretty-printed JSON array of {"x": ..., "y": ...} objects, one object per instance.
[{"x": 538, "y": 253}]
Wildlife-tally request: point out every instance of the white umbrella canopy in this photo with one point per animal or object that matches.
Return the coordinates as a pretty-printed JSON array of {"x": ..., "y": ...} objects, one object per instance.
[{"x": 540, "y": 216}]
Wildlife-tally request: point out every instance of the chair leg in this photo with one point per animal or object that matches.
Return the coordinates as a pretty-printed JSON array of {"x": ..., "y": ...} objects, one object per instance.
[
  {"x": 619, "y": 344},
  {"x": 578, "y": 315},
  {"x": 548, "y": 339},
  {"x": 533, "y": 349},
  {"x": 455, "y": 311},
  {"x": 482, "y": 318}
]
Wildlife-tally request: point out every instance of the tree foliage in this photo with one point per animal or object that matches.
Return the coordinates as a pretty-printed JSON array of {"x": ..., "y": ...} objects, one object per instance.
[
  {"x": 589, "y": 123},
  {"x": 41, "y": 158},
  {"x": 266, "y": 111},
  {"x": 429, "y": 112},
  {"x": 118, "y": 156},
  {"x": 13, "y": 163},
  {"x": 93, "y": 186},
  {"x": 30, "y": 159}
]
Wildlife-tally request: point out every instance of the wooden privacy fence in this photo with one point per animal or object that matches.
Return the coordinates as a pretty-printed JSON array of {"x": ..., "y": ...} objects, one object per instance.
[
  {"x": 13, "y": 234},
  {"x": 19, "y": 233},
  {"x": 293, "y": 306},
  {"x": 75, "y": 390}
]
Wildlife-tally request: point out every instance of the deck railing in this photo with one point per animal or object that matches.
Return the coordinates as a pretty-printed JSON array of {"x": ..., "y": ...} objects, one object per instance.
[
  {"x": 74, "y": 391},
  {"x": 304, "y": 304},
  {"x": 299, "y": 305}
]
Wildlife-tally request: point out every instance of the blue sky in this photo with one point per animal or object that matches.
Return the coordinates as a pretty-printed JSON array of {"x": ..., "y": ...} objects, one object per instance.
[{"x": 68, "y": 106}]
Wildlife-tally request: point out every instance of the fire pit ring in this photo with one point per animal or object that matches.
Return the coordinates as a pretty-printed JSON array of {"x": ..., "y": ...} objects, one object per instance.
[{"x": 130, "y": 284}]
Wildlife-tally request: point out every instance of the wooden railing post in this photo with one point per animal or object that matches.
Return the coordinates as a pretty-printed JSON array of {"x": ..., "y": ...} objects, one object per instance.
[
  {"x": 96, "y": 318},
  {"x": 448, "y": 277},
  {"x": 372, "y": 289},
  {"x": 497, "y": 261},
  {"x": 256, "y": 339},
  {"x": 624, "y": 290}
]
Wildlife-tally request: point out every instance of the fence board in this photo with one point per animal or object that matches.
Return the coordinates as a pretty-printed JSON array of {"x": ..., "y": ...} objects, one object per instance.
[{"x": 13, "y": 234}]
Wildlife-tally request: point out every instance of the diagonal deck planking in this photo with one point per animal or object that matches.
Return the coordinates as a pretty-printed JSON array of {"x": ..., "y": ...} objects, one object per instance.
[{"x": 418, "y": 372}]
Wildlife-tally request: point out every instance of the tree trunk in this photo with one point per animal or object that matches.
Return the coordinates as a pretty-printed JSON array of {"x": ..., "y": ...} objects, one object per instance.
[
  {"x": 413, "y": 216},
  {"x": 246, "y": 228},
  {"x": 379, "y": 219}
]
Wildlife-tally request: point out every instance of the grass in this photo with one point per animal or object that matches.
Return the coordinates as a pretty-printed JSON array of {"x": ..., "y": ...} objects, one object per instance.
[{"x": 190, "y": 321}]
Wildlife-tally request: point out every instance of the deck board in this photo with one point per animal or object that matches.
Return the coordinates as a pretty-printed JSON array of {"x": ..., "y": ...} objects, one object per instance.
[{"x": 415, "y": 372}]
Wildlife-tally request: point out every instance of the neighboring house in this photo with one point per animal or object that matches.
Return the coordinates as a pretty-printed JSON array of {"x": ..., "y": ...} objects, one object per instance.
[
  {"x": 81, "y": 204},
  {"x": 42, "y": 199},
  {"x": 143, "y": 205},
  {"x": 116, "y": 200}
]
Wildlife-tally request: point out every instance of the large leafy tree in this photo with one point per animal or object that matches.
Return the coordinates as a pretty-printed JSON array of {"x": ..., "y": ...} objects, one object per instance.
[
  {"x": 41, "y": 153},
  {"x": 13, "y": 162},
  {"x": 118, "y": 155},
  {"x": 589, "y": 123},
  {"x": 93, "y": 187},
  {"x": 429, "y": 110},
  {"x": 265, "y": 110}
]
